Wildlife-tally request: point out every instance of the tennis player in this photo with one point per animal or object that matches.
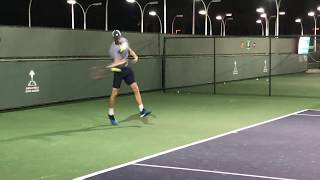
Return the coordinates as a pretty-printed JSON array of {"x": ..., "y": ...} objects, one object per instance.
[{"x": 120, "y": 51}]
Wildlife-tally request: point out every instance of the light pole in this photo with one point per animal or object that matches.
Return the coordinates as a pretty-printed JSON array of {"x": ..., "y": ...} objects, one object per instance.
[
  {"x": 203, "y": 12},
  {"x": 264, "y": 15},
  {"x": 172, "y": 25},
  {"x": 84, "y": 11},
  {"x": 281, "y": 13},
  {"x": 223, "y": 20},
  {"x": 206, "y": 8},
  {"x": 314, "y": 15},
  {"x": 298, "y": 20},
  {"x": 153, "y": 13},
  {"x": 228, "y": 17},
  {"x": 210, "y": 25},
  {"x": 72, "y": 3},
  {"x": 165, "y": 16},
  {"x": 222, "y": 25},
  {"x": 193, "y": 16},
  {"x": 142, "y": 10},
  {"x": 107, "y": 2},
  {"x": 278, "y": 4},
  {"x": 30, "y": 2},
  {"x": 259, "y": 21}
]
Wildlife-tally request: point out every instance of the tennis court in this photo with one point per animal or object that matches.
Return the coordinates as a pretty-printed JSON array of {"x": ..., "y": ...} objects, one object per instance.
[
  {"x": 71, "y": 140},
  {"x": 291, "y": 153}
]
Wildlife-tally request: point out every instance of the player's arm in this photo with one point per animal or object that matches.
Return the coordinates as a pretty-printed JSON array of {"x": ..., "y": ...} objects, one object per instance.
[{"x": 133, "y": 54}]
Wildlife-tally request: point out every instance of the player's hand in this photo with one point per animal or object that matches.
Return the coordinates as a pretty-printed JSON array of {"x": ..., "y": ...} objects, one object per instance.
[{"x": 135, "y": 59}]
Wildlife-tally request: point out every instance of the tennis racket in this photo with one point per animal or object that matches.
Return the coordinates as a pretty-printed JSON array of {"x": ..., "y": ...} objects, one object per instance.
[
  {"x": 116, "y": 63},
  {"x": 101, "y": 71}
]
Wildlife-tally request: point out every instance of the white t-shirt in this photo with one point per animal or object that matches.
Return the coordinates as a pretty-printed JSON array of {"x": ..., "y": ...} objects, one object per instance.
[{"x": 116, "y": 52}]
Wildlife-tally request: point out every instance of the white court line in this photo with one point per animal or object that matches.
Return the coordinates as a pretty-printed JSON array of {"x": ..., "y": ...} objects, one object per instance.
[
  {"x": 185, "y": 146},
  {"x": 215, "y": 172},
  {"x": 314, "y": 115}
]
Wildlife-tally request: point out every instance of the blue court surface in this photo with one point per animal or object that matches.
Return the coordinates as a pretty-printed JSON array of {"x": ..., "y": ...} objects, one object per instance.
[{"x": 287, "y": 147}]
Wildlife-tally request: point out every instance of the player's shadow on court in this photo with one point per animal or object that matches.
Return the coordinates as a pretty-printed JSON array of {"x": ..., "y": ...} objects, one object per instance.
[
  {"x": 47, "y": 136},
  {"x": 136, "y": 117}
]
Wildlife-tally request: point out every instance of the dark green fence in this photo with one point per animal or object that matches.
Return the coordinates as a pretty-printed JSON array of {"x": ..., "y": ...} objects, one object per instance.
[{"x": 42, "y": 66}]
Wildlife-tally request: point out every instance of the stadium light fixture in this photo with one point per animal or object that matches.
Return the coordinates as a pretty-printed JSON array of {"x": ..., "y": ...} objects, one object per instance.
[
  {"x": 154, "y": 13},
  {"x": 174, "y": 19},
  {"x": 142, "y": 9},
  {"x": 298, "y": 20}
]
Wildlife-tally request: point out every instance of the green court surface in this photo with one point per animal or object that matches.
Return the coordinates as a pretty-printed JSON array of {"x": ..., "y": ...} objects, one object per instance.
[{"x": 65, "y": 141}]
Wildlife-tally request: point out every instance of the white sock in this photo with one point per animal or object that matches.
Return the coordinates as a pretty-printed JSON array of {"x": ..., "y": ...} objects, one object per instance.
[
  {"x": 141, "y": 107},
  {"x": 111, "y": 111}
]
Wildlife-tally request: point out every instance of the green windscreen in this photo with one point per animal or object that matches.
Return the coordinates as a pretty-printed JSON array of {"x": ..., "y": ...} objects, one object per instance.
[
  {"x": 189, "y": 65},
  {"x": 242, "y": 66},
  {"x": 295, "y": 69}
]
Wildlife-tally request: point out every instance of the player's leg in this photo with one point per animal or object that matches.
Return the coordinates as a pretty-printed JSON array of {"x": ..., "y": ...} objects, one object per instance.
[
  {"x": 112, "y": 101},
  {"x": 130, "y": 80},
  {"x": 135, "y": 89}
]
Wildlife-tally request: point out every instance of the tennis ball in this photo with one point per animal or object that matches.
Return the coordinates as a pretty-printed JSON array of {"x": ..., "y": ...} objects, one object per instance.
[
  {"x": 123, "y": 46},
  {"x": 115, "y": 70}
]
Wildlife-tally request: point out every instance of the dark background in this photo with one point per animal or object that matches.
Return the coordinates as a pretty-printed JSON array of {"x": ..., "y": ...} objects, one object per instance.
[{"x": 125, "y": 16}]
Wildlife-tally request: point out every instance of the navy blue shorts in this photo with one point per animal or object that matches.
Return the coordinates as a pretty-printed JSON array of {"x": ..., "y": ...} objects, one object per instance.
[{"x": 126, "y": 74}]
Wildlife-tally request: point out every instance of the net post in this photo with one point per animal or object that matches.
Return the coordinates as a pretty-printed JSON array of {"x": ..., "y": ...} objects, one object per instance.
[
  {"x": 270, "y": 61},
  {"x": 214, "y": 65},
  {"x": 159, "y": 44},
  {"x": 164, "y": 65}
]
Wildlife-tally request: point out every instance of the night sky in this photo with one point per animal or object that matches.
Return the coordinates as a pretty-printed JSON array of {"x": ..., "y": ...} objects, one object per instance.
[{"x": 126, "y": 16}]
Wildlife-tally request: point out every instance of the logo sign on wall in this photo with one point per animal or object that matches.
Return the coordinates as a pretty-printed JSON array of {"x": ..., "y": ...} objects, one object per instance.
[
  {"x": 248, "y": 44},
  {"x": 32, "y": 86}
]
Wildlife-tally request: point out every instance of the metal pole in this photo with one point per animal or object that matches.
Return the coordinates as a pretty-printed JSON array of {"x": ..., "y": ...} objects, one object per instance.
[
  {"x": 172, "y": 24},
  {"x": 210, "y": 25},
  {"x": 84, "y": 16},
  {"x": 302, "y": 29},
  {"x": 277, "y": 25},
  {"x": 30, "y": 2},
  {"x": 209, "y": 16},
  {"x": 160, "y": 24},
  {"x": 193, "y": 17},
  {"x": 107, "y": 2},
  {"x": 206, "y": 19},
  {"x": 277, "y": 19},
  {"x": 141, "y": 11},
  {"x": 206, "y": 22},
  {"x": 85, "y": 21},
  {"x": 267, "y": 26},
  {"x": 214, "y": 66},
  {"x": 315, "y": 33},
  {"x": 270, "y": 64},
  {"x": 164, "y": 65},
  {"x": 262, "y": 29},
  {"x": 224, "y": 28},
  {"x": 86, "y": 12},
  {"x": 165, "y": 16},
  {"x": 72, "y": 14}
]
